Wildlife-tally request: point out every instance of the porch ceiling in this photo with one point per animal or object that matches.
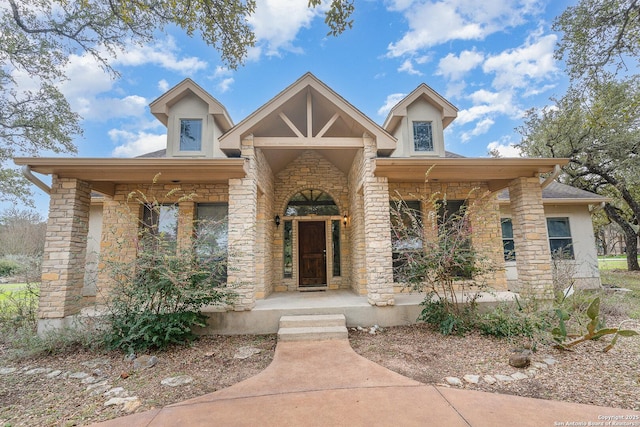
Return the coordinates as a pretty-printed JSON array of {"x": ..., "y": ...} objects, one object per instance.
[
  {"x": 105, "y": 174},
  {"x": 279, "y": 158},
  {"x": 496, "y": 172}
]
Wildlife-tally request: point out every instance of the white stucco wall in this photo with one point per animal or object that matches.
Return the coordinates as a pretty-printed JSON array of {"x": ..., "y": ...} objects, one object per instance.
[
  {"x": 93, "y": 249},
  {"x": 420, "y": 110},
  {"x": 584, "y": 268}
]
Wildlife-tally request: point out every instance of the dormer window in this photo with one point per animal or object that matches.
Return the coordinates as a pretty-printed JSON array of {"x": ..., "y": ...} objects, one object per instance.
[
  {"x": 422, "y": 136},
  {"x": 190, "y": 134}
]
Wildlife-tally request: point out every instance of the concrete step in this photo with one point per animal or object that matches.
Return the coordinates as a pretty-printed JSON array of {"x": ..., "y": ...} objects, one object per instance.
[
  {"x": 313, "y": 327},
  {"x": 313, "y": 333},
  {"x": 311, "y": 320}
]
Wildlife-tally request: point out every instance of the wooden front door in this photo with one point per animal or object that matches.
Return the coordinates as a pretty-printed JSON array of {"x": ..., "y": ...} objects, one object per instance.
[{"x": 312, "y": 251}]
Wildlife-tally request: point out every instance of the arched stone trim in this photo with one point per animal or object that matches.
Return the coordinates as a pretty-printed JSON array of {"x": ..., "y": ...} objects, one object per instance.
[{"x": 283, "y": 205}]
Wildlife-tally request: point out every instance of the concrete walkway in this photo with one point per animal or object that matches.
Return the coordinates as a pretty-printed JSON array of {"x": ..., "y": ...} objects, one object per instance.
[{"x": 325, "y": 383}]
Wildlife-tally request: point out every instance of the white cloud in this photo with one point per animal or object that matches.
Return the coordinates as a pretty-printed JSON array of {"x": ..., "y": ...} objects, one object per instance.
[
  {"x": 276, "y": 24},
  {"x": 435, "y": 22},
  {"x": 517, "y": 67},
  {"x": 488, "y": 104},
  {"x": 163, "y": 53},
  {"x": 481, "y": 128},
  {"x": 505, "y": 149},
  {"x": 454, "y": 67},
  {"x": 132, "y": 144},
  {"x": 225, "y": 84},
  {"x": 407, "y": 67},
  {"x": 390, "y": 102},
  {"x": 163, "y": 85}
]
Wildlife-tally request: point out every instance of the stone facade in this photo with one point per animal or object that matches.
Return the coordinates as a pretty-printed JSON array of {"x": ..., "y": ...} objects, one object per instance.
[
  {"x": 530, "y": 237},
  {"x": 64, "y": 252}
]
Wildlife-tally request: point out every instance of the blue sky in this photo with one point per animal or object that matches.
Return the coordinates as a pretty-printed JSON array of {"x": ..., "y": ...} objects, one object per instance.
[{"x": 493, "y": 60}]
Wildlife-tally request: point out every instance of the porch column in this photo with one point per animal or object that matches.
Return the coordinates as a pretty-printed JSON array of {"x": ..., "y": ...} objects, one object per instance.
[
  {"x": 243, "y": 201},
  {"x": 377, "y": 229},
  {"x": 533, "y": 256},
  {"x": 64, "y": 257}
]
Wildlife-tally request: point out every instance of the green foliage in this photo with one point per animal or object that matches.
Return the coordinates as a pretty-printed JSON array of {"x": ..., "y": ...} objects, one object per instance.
[
  {"x": 597, "y": 127},
  {"x": 8, "y": 267},
  {"x": 507, "y": 321},
  {"x": 599, "y": 33},
  {"x": 39, "y": 38},
  {"x": 595, "y": 328},
  {"x": 155, "y": 299},
  {"x": 438, "y": 314}
]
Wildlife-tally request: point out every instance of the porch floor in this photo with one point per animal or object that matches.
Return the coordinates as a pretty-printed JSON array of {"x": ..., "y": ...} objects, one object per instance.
[{"x": 265, "y": 316}]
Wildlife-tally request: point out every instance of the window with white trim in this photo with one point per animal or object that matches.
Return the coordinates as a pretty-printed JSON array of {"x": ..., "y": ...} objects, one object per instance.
[
  {"x": 190, "y": 134},
  {"x": 508, "y": 244},
  {"x": 422, "y": 136}
]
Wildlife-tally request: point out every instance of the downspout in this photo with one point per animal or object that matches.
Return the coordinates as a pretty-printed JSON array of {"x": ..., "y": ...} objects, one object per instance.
[
  {"x": 551, "y": 178},
  {"x": 26, "y": 171}
]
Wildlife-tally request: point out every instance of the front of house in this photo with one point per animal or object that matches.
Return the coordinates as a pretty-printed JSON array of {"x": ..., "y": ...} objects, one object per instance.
[{"x": 305, "y": 184}]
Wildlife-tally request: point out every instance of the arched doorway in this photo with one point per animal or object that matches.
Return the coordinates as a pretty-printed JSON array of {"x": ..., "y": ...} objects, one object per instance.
[{"x": 313, "y": 213}]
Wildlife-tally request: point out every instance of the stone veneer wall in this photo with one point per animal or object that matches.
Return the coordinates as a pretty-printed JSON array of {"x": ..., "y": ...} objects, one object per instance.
[
  {"x": 356, "y": 227},
  {"x": 310, "y": 170},
  {"x": 64, "y": 252},
  {"x": 486, "y": 234},
  {"x": 121, "y": 216},
  {"x": 265, "y": 227},
  {"x": 375, "y": 224},
  {"x": 533, "y": 260}
]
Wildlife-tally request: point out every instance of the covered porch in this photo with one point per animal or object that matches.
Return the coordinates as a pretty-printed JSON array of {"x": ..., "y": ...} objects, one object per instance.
[{"x": 264, "y": 317}]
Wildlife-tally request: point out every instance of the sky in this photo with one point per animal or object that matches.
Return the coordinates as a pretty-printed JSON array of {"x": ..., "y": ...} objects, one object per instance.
[{"x": 493, "y": 60}]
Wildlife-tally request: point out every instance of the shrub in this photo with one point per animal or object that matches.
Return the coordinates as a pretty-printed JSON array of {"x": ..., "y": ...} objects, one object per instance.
[
  {"x": 155, "y": 299},
  {"x": 8, "y": 267},
  {"x": 508, "y": 321}
]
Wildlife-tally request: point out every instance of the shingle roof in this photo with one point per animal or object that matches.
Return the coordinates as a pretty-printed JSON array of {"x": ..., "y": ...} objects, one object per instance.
[{"x": 556, "y": 190}]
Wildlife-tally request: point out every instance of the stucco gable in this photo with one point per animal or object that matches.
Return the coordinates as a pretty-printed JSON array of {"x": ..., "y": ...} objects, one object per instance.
[
  {"x": 161, "y": 106},
  {"x": 307, "y": 113}
]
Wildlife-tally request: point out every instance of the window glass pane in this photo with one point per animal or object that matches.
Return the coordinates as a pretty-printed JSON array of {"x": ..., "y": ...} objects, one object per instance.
[
  {"x": 311, "y": 202},
  {"x": 558, "y": 227},
  {"x": 406, "y": 235},
  {"x": 161, "y": 221},
  {"x": 507, "y": 239},
  {"x": 422, "y": 136},
  {"x": 560, "y": 241},
  {"x": 190, "y": 135},
  {"x": 212, "y": 237},
  {"x": 288, "y": 249},
  {"x": 507, "y": 228},
  {"x": 335, "y": 237},
  {"x": 452, "y": 222}
]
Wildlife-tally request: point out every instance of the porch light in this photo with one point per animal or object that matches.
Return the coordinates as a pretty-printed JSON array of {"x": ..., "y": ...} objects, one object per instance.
[
  {"x": 277, "y": 221},
  {"x": 345, "y": 219}
]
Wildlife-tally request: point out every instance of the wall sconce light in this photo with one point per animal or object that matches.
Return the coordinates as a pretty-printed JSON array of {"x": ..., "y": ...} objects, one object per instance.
[
  {"x": 277, "y": 221},
  {"x": 345, "y": 219}
]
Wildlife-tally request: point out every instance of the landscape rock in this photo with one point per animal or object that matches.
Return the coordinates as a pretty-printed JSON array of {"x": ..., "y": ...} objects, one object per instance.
[
  {"x": 92, "y": 364},
  {"x": 116, "y": 391},
  {"x": 550, "y": 361},
  {"x": 54, "y": 374},
  {"x": 36, "y": 371},
  {"x": 119, "y": 400},
  {"x": 246, "y": 352},
  {"x": 489, "y": 379},
  {"x": 519, "y": 376},
  {"x": 6, "y": 371},
  {"x": 520, "y": 359},
  {"x": 131, "y": 405},
  {"x": 454, "y": 381},
  {"x": 472, "y": 379},
  {"x": 503, "y": 378},
  {"x": 177, "y": 381},
  {"x": 90, "y": 380},
  {"x": 144, "y": 362},
  {"x": 539, "y": 365},
  {"x": 78, "y": 375}
]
